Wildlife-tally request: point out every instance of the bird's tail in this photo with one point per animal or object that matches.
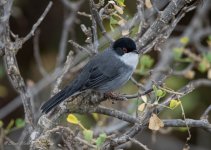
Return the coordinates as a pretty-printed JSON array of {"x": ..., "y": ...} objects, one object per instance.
[{"x": 56, "y": 99}]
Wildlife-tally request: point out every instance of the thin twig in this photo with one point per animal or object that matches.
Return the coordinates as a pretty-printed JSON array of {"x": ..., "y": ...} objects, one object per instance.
[
  {"x": 99, "y": 21},
  {"x": 139, "y": 144},
  {"x": 37, "y": 54},
  {"x": 64, "y": 71},
  {"x": 72, "y": 8},
  {"x": 31, "y": 33},
  {"x": 79, "y": 47},
  {"x": 94, "y": 30},
  {"x": 206, "y": 112}
]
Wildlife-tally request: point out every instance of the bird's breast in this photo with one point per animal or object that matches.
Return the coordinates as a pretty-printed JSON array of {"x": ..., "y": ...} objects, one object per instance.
[{"x": 130, "y": 59}]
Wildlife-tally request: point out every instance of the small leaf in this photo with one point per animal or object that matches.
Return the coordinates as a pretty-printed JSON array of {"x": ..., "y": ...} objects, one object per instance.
[
  {"x": 141, "y": 107},
  {"x": 207, "y": 56},
  {"x": 113, "y": 21},
  {"x": 88, "y": 135},
  {"x": 177, "y": 53},
  {"x": 125, "y": 32},
  {"x": 155, "y": 123},
  {"x": 184, "y": 40},
  {"x": 203, "y": 66},
  {"x": 160, "y": 93},
  {"x": 96, "y": 116},
  {"x": 189, "y": 74},
  {"x": 154, "y": 88},
  {"x": 174, "y": 103},
  {"x": 121, "y": 22},
  {"x": 182, "y": 129},
  {"x": 147, "y": 61},
  {"x": 120, "y": 3},
  {"x": 72, "y": 119},
  {"x": 1, "y": 123},
  {"x": 144, "y": 98},
  {"x": 209, "y": 74},
  {"x": 19, "y": 123},
  {"x": 118, "y": 9},
  {"x": 209, "y": 37},
  {"x": 209, "y": 40},
  {"x": 101, "y": 139},
  {"x": 148, "y": 3},
  {"x": 10, "y": 125}
]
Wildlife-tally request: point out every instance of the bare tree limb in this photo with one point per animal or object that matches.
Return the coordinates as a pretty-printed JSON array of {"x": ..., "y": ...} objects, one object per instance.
[{"x": 139, "y": 144}]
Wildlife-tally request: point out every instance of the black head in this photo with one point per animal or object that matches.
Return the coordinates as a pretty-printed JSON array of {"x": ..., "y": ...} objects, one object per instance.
[{"x": 124, "y": 45}]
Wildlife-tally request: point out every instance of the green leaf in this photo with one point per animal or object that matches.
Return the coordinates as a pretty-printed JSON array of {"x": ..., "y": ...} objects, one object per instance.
[
  {"x": 88, "y": 135},
  {"x": 119, "y": 9},
  {"x": 209, "y": 37},
  {"x": 19, "y": 123},
  {"x": 113, "y": 21},
  {"x": 112, "y": 29},
  {"x": 120, "y": 2},
  {"x": 174, "y": 103},
  {"x": 203, "y": 66},
  {"x": 178, "y": 53},
  {"x": 184, "y": 40},
  {"x": 154, "y": 88},
  {"x": 207, "y": 56},
  {"x": 182, "y": 129},
  {"x": 100, "y": 140},
  {"x": 10, "y": 125},
  {"x": 1, "y": 123},
  {"x": 72, "y": 119},
  {"x": 160, "y": 93},
  {"x": 146, "y": 61}
]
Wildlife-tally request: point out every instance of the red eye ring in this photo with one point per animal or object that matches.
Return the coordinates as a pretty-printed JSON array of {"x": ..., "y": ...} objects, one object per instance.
[{"x": 125, "y": 50}]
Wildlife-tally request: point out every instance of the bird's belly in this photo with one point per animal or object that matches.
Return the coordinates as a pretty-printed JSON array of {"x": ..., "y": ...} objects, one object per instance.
[{"x": 115, "y": 84}]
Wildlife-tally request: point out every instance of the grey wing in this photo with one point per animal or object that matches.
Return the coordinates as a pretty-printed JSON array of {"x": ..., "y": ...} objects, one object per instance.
[
  {"x": 105, "y": 72},
  {"x": 98, "y": 77}
]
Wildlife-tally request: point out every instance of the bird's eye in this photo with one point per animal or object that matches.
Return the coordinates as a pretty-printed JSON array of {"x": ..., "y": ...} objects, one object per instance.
[{"x": 125, "y": 50}]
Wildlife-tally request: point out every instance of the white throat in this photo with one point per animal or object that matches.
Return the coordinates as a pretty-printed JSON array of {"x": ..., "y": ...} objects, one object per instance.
[{"x": 130, "y": 59}]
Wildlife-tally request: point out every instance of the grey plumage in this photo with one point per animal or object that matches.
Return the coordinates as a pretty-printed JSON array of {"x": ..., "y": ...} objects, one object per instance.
[{"x": 105, "y": 72}]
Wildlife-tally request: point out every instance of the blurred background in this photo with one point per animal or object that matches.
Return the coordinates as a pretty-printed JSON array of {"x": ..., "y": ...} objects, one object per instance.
[{"x": 25, "y": 13}]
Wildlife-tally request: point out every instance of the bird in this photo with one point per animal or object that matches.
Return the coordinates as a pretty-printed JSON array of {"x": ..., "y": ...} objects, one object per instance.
[{"x": 104, "y": 73}]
